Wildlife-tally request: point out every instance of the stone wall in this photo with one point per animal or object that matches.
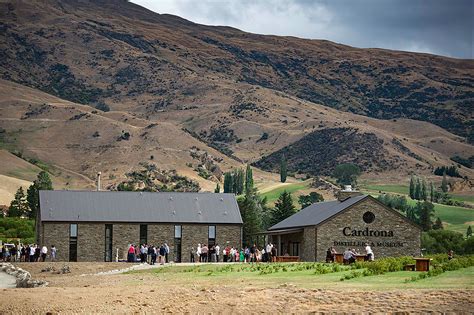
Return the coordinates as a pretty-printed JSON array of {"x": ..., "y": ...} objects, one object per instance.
[
  {"x": 91, "y": 242},
  {"x": 123, "y": 235},
  {"x": 406, "y": 239},
  {"x": 57, "y": 234},
  {"x": 91, "y": 238},
  {"x": 309, "y": 249}
]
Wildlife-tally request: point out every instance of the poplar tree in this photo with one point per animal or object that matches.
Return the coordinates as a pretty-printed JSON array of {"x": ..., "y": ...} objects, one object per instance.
[
  {"x": 283, "y": 170},
  {"x": 444, "y": 183},
  {"x": 432, "y": 192},
  {"x": 218, "y": 188},
  {"x": 251, "y": 212},
  {"x": 417, "y": 189},
  {"x": 412, "y": 187},
  {"x": 248, "y": 179},
  {"x": 228, "y": 183},
  {"x": 423, "y": 190},
  {"x": 469, "y": 231}
]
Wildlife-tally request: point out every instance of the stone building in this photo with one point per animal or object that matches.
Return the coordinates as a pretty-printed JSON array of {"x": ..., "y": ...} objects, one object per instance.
[
  {"x": 100, "y": 225},
  {"x": 349, "y": 222}
]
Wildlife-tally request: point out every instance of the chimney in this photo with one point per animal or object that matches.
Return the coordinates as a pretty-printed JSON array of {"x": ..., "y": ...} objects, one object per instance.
[
  {"x": 98, "y": 180},
  {"x": 347, "y": 193}
]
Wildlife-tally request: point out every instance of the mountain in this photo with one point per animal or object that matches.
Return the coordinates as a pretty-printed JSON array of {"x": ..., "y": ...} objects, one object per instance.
[{"x": 175, "y": 87}]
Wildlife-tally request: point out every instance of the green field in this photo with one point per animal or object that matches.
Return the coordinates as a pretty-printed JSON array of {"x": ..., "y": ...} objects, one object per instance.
[
  {"x": 273, "y": 194},
  {"x": 456, "y": 218},
  {"x": 236, "y": 274}
]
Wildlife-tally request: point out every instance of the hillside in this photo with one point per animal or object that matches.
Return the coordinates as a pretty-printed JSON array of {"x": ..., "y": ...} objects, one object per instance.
[
  {"x": 182, "y": 95},
  {"x": 116, "y": 52}
]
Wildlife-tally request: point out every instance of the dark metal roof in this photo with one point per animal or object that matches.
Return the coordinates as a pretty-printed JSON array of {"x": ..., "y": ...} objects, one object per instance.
[
  {"x": 316, "y": 213},
  {"x": 146, "y": 207}
]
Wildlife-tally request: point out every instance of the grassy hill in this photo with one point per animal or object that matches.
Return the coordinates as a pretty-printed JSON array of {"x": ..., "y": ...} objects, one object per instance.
[{"x": 454, "y": 218}]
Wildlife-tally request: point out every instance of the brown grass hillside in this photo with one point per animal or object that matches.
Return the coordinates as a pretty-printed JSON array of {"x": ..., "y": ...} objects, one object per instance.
[{"x": 182, "y": 94}]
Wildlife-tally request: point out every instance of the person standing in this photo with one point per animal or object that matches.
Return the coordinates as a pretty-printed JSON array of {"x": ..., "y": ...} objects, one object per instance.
[
  {"x": 369, "y": 253},
  {"x": 191, "y": 255},
  {"x": 162, "y": 254},
  {"x": 274, "y": 253},
  {"x": 53, "y": 253},
  {"x": 217, "y": 252},
  {"x": 198, "y": 252},
  {"x": 32, "y": 253},
  {"x": 167, "y": 251},
  {"x": 44, "y": 253},
  {"x": 37, "y": 253},
  {"x": 212, "y": 254},
  {"x": 204, "y": 253},
  {"x": 153, "y": 254},
  {"x": 131, "y": 254}
]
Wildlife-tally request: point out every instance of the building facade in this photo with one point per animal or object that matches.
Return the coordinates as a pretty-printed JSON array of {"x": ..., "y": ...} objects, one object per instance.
[
  {"x": 349, "y": 222},
  {"x": 100, "y": 226}
]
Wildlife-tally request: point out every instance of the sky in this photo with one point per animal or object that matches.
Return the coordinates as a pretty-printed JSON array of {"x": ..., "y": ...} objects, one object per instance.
[{"x": 442, "y": 27}]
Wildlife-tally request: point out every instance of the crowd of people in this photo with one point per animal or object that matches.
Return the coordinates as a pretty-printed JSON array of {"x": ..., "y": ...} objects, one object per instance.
[
  {"x": 148, "y": 253},
  {"x": 350, "y": 255},
  {"x": 202, "y": 253},
  {"x": 27, "y": 253}
]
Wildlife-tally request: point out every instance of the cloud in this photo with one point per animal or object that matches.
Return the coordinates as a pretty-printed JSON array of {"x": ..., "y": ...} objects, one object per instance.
[{"x": 435, "y": 26}]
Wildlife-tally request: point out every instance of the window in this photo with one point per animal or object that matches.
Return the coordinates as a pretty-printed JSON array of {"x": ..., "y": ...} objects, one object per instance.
[
  {"x": 73, "y": 242},
  {"x": 73, "y": 230},
  {"x": 108, "y": 242},
  {"x": 295, "y": 249},
  {"x": 212, "y": 236},
  {"x": 368, "y": 217},
  {"x": 177, "y": 243},
  {"x": 177, "y": 231},
  {"x": 212, "y": 231},
  {"x": 143, "y": 234}
]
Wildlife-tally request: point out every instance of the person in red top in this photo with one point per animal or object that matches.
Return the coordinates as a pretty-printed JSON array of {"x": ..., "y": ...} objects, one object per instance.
[{"x": 131, "y": 253}]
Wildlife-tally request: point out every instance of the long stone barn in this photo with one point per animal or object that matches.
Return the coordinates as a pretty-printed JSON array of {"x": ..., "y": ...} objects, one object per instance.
[
  {"x": 349, "y": 222},
  {"x": 100, "y": 225}
]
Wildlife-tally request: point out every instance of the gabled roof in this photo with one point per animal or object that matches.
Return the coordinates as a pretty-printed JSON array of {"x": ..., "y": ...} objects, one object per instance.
[
  {"x": 145, "y": 207},
  {"x": 316, "y": 213}
]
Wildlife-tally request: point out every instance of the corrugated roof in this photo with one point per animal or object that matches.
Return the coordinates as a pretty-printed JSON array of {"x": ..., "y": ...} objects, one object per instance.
[
  {"x": 146, "y": 207},
  {"x": 316, "y": 213}
]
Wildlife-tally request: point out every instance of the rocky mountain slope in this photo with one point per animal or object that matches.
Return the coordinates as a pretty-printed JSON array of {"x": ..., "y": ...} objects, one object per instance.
[{"x": 175, "y": 88}]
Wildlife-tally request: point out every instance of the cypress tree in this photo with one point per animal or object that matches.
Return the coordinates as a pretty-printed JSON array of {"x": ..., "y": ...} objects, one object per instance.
[
  {"x": 412, "y": 187},
  {"x": 283, "y": 208},
  {"x": 218, "y": 188},
  {"x": 444, "y": 183},
  {"x": 469, "y": 231},
  {"x": 283, "y": 170},
  {"x": 42, "y": 182},
  {"x": 19, "y": 205},
  {"x": 438, "y": 225},
  {"x": 425, "y": 210},
  {"x": 248, "y": 179},
  {"x": 251, "y": 212}
]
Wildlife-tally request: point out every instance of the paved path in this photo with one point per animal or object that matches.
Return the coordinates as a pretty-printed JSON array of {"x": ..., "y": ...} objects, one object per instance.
[{"x": 7, "y": 281}]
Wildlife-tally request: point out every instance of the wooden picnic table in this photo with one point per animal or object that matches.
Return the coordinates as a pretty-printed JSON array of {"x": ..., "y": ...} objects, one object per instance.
[
  {"x": 339, "y": 258},
  {"x": 287, "y": 258},
  {"x": 422, "y": 264}
]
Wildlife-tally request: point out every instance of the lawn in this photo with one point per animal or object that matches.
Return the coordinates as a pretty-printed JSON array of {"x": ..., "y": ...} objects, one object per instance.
[
  {"x": 272, "y": 195},
  {"x": 455, "y": 217},
  {"x": 236, "y": 274}
]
